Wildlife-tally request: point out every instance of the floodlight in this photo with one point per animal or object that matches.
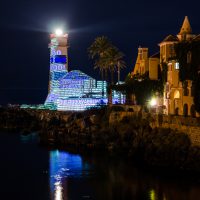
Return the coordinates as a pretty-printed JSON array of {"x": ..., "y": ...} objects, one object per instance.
[
  {"x": 59, "y": 32},
  {"x": 153, "y": 102}
]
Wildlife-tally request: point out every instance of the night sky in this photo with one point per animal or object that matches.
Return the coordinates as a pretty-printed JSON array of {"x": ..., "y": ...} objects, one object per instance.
[{"x": 25, "y": 25}]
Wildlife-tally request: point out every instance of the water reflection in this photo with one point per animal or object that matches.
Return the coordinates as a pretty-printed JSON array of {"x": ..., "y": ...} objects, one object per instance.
[
  {"x": 64, "y": 165},
  {"x": 76, "y": 177},
  {"x": 30, "y": 172},
  {"x": 29, "y": 138}
]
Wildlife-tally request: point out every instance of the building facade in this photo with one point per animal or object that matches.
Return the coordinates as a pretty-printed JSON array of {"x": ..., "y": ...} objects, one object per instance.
[
  {"x": 146, "y": 65},
  {"x": 178, "y": 97}
]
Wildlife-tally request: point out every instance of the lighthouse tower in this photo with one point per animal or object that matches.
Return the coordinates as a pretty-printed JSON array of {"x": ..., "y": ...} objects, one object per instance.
[
  {"x": 58, "y": 58},
  {"x": 58, "y": 64}
]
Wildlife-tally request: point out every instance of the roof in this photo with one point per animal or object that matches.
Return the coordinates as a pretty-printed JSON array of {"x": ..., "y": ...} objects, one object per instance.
[
  {"x": 196, "y": 38},
  {"x": 186, "y": 28},
  {"x": 77, "y": 74},
  {"x": 155, "y": 55},
  {"x": 170, "y": 38}
]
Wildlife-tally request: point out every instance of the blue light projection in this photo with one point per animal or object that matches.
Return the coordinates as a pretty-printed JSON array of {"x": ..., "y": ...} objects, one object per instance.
[
  {"x": 73, "y": 90},
  {"x": 60, "y": 59},
  {"x": 63, "y": 165}
]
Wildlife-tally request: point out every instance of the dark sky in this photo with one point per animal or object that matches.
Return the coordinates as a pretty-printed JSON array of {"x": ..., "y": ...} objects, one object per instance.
[{"x": 25, "y": 25}]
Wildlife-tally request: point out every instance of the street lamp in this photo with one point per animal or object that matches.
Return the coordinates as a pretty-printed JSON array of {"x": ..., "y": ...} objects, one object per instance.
[{"x": 153, "y": 102}]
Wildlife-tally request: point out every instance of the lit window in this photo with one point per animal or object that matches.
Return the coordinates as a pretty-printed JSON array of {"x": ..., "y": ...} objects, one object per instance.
[
  {"x": 176, "y": 65},
  {"x": 176, "y": 94}
]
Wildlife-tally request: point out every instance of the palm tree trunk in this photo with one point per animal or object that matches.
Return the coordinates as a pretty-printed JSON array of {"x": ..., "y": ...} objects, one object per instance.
[
  {"x": 102, "y": 76},
  {"x": 118, "y": 72},
  {"x": 106, "y": 75},
  {"x": 112, "y": 76}
]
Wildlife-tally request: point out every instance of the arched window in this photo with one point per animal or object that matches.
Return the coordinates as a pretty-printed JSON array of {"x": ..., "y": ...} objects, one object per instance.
[{"x": 176, "y": 94}]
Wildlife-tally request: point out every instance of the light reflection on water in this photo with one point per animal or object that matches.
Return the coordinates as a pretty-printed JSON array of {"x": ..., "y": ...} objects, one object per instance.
[
  {"x": 64, "y": 165},
  {"x": 30, "y": 138},
  {"x": 73, "y": 176}
]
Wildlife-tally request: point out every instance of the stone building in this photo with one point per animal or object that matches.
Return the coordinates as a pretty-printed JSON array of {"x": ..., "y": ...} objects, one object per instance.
[
  {"x": 146, "y": 65},
  {"x": 178, "y": 95}
]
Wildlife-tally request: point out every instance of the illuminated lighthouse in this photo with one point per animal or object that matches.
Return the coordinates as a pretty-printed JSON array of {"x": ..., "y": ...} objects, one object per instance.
[
  {"x": 71, "y": 90},
  {"x": 58, "y": 65},
  {"x": 58, "y": 58}
]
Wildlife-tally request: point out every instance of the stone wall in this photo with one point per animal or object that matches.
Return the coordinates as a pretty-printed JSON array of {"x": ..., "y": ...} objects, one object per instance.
[{"x": 188, "y": 125}]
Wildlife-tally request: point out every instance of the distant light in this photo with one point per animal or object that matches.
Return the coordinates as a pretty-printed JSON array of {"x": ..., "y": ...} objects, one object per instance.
[
  {"x": 59, "y": 32},
  {"x": 153, "y": 102}
]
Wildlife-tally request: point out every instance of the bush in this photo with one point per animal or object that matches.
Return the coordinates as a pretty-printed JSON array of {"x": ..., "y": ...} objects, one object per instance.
[{"x": 166, "y": 147}]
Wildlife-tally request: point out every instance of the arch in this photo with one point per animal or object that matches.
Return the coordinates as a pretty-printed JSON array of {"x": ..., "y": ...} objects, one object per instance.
[
  {"x": 185, "y": 110},
  {"x": 176, "y": 111},
  {"x": 192, "y": 111},
  {"x": 176, "y": 94}
]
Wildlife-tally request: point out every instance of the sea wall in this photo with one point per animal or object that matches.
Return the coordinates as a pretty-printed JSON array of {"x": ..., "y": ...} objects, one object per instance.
[
  {"x": 134, "y": 133},
  {"x": 187, "y": 125}
]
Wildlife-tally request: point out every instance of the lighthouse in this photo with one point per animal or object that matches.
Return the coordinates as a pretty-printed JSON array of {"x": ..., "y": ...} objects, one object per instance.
[
  {"x": 70, "y": 90},
  {"x": 58, "y": 58}
]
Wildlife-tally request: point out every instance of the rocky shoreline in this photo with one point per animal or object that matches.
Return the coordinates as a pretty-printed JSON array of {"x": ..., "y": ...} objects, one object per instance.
[{"x": 132, "y": 136}]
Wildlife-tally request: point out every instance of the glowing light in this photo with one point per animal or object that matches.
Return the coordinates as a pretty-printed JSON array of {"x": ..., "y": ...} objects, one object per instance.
[
  {"x": 176, "y": 94},
  {"x": 59, "y": 32},
  {"x": 153, "y": 102},
  {"x": 152, "y": 195},
  {"x": 73, "y": 90},
  {"x": 61, "y": 166},
  {"x": 58, "y": 191}
]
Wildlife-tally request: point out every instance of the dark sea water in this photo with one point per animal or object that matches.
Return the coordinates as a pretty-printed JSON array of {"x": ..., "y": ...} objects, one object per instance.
[{"x": 28, "y": 171}]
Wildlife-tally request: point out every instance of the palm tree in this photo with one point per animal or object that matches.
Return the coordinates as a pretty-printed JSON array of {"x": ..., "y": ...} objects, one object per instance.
[
  {"x": 97, "y": 51},
  {"x": 99, "y": 46},
  {"x": 114, "y": 61},
  {"x": 107, "y": 57}
]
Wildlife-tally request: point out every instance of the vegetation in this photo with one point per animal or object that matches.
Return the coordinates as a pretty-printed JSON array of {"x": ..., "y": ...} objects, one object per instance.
[
  {"x": 107, "y": 57},
  {"x": 141, "y": 86}
]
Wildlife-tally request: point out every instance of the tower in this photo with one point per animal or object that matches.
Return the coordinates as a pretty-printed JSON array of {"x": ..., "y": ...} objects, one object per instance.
[
  {"x": 58, "y": 66},
  {"x": 58, "y": 58},
  {"x": 185, "y": 31},
  {"x": 141, "y": 65}
]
